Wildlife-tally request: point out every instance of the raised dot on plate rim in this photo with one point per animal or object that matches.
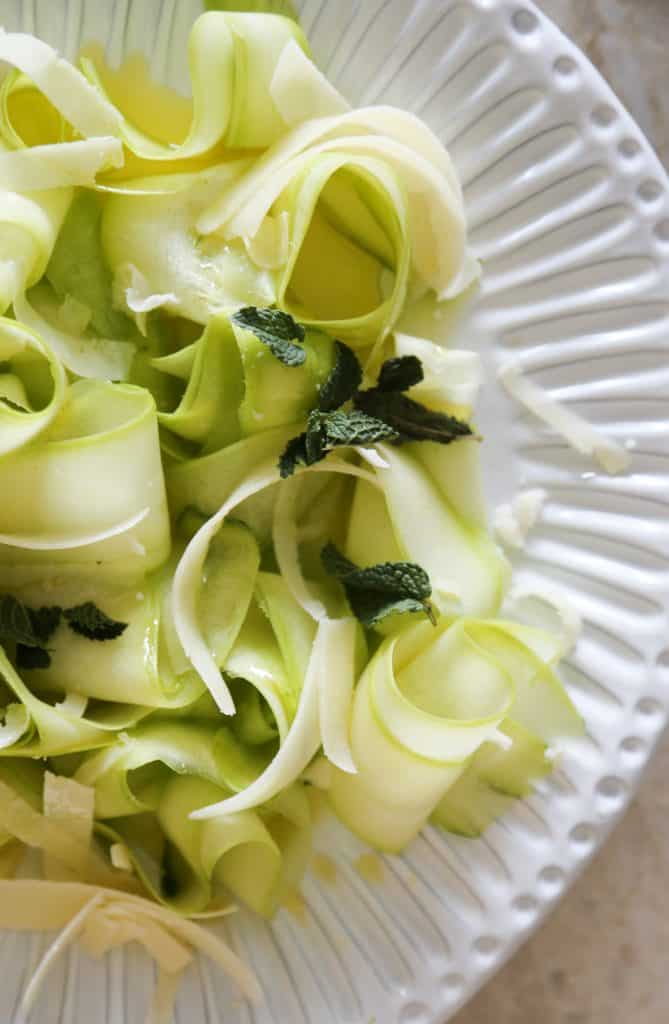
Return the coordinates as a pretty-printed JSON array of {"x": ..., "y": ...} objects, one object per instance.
[
  {"x": 413, "y": 1013},
  {"x": 662, "y": 230},
  {"x": 565, "y": 66},
  {"x": 552, "y": 876},
  {"x": 611, "y": 788},
  {"x": 486, "y": 945},
  {"x": 633, "y": 745},
  {"x": 525, "y": 904},
  {"x": 583, "y": 835},
  {"x": 453, "y": 983},
  {"x": 649, "y": 191},
  {"x": 629, "y": 148},
  {"x": 603, "y": 115},
  {"x": 649, "y": 707},
  {"x": 524, "y": 21}
]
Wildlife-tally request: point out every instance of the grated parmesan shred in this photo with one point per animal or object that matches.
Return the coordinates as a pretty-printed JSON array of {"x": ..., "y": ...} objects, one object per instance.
[{"x": 580, "y": 434}]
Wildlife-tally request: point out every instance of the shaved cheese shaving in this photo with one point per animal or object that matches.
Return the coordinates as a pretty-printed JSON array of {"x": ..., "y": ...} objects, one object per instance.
[
  {"x": 74, "y": 704},
  {"x": 553, "y": 604},
  {"x": 104, "y": 920},
  {"x": 58, "y": 165},
  {"x": 56, "y": 949},
  {"x": 373, "y": 457},
  {"x": 119, "y": 856},
  {"x": 164, "y": 996},
  {"x": 17, "y": 720},
  {"x": 19, "y": 819},
  {"x": 63, "y": 85},
  {"x": 580, "y": 434},
  {"x": 285, "y": 538},
  {"x": 336, "y": 683},
  {"x": 133, "y": 292},
  {"x": 300, "y": 91},
  {"x": 512, "y": 522},
  {"x": 450, "y": 375}
]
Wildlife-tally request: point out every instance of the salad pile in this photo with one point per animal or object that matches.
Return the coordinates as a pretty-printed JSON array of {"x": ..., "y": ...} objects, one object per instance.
[{"x": 244, "y": 552}]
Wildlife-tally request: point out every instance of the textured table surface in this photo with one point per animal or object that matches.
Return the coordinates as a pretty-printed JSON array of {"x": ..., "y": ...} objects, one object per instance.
[{"x": 603, "y": 956}]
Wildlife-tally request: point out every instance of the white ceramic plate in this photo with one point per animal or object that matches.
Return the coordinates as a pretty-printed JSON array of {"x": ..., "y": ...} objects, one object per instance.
[{"x": 569, "y": 210}]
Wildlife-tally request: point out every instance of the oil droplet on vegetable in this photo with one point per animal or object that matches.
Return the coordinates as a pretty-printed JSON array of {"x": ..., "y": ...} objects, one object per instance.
[
  {"x": 294, "y": 903},
  {"x": 370, "y": 867},
  {"x": 325, "y": 868}
]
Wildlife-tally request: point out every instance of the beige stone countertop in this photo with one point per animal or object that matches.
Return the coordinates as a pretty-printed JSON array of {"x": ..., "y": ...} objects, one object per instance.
[{"x": 603, "y": 956}]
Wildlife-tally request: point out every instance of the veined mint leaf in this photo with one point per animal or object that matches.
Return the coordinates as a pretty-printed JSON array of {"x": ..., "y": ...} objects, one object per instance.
[{"x": 275, "y": 329}]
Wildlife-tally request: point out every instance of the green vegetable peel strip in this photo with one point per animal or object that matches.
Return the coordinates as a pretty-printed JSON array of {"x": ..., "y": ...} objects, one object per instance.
[
  {"x": 29, "y": 228},
  {"x": 40, "y": 730},
  {"x": 23, "y": 355},
  {"x": 66, "y": 88},
  {"x": 425, "y": 705},
  {"x": 96, "y": 491}
]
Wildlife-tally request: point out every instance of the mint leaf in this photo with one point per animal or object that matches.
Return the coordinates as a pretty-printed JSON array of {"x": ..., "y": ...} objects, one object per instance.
[
  {"x": 16, "y": 623},
  {"x": 294, "y": 455},
  {"x": 389, "y": 588},
  {"x": 381, "y": 413},
  {"x": 31, "y": 658},
  {"x": 344, "y": 380},
  {"x": 337, "y": 564},
  {"x": 400, "y": 374},
  {"x": 409, "y": 419},
  {"x": 29, "y": 629},
  {"x": 275, "y": 329},
  {"x": 13, "y": 405},
  {"x": 45, "y": 621},
  {"x": 335, "y": 429},
  {"x": 87, "y": 620},
  {"x": 371, "y": 608},
  {"x": 328, "y": 430}
]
